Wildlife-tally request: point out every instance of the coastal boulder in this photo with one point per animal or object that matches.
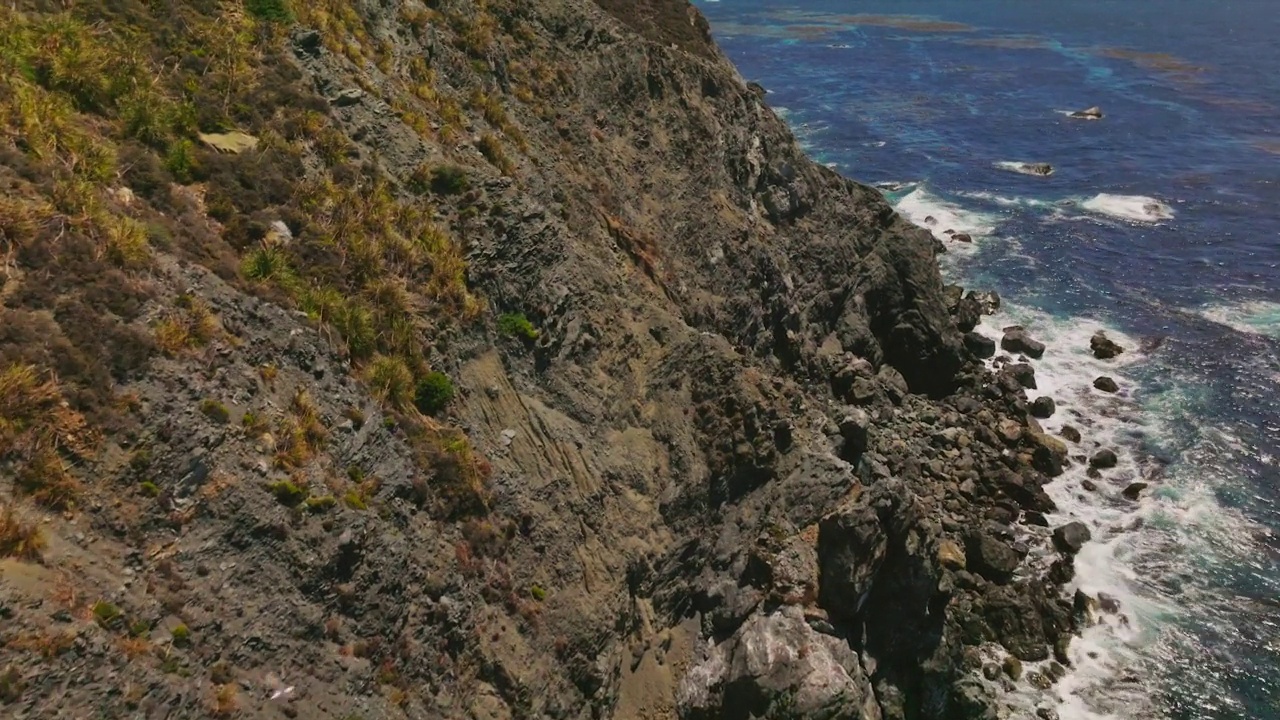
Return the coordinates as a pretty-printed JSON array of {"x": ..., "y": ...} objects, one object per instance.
[
  {"x": 988, "y": 300},
  {"x": 1104, "y": 459},
  {"x": 991, "y": 557},
  {"x": 968, "y": 314},
  {"x": 1043, "y": 407},
  {"x": 980, "y": 345},
  {"x": 1106, "y": 384},
  {"x": 774, "y": 659},
  {"x": 1071, "y": 537},
  {"x": 1103, "y": 347},
  {"x": 1017, "y": 340},
  {"x": 1024, "y": 374}
]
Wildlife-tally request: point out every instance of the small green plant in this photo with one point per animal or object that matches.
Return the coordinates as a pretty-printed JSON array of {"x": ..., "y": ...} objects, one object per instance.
[
  {"x": 275, "y": 11},
  {"x": 355, "y": 499},
  {"x": 140, "y": 460},
  {"x": 320, "y": 503},
  {"x": 180, "y": 160},
  {"x": 105, "y": 613},
  {"x": 140, "y": 628},
  {"x": 538, "y": 593},
  {"x": 181, "y": 635},
  {"x": 215, "y": 411},
  {"x": 253, "y": 424},
  {"x": 267, "y": 263},
  {"x": 288, "y": 492},
  {"x": 149, "y": 488},
  {"x": 435, "y": 391},
  {"x": 449, "y": 180},
  {"x": 517, "y": 325}
]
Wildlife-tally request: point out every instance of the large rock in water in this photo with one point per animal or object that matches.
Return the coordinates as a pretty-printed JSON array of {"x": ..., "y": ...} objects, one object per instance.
[
  {"x": 1103, "y": 347},
  {"x": 1106, "y": 384},
  {"x": 1017, "y": 340},
  {"x": 774, "y": 664},
  {"x": 1071, "y": 537}
]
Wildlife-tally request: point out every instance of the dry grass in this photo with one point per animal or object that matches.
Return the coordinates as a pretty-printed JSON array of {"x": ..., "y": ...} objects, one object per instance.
[{"x": 20, "y": 536}]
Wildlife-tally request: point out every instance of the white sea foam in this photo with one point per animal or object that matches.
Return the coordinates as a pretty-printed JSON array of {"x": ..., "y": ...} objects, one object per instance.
[
  {"x": 1066, "y": 373},
  {"x": 1135, "y": 208},
  {"x": 920, "y": 206},
  {"x": 1026, "y": 168},
  {"x": 1253, "y": 317}
]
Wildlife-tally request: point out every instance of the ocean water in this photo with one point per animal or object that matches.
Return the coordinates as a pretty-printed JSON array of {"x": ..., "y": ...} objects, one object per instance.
[{"x": 1160, "y": 224}]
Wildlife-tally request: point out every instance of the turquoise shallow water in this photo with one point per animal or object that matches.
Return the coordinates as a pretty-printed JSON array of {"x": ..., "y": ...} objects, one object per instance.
[{"x": 1161, "y": 221}]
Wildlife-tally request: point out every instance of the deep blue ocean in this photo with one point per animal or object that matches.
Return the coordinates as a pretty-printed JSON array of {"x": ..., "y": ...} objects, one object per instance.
[{"x": 1159, "y": 224}]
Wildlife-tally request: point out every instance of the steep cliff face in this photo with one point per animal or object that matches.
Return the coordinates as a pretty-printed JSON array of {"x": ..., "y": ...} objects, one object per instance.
[{"x": 477, "y": 359}]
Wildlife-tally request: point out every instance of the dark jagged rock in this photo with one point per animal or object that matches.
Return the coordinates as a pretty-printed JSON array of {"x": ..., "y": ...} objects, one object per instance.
[
  {"x": 989, "y": 300},
  {"x": 991, "y": 557},
  {"x": 1070, "y": 433},
  {"x": 1043, "y": 407},
  {"x": 1071, "y": 537},
  {"x": 1106, "y": 384},
  {"x": 1017, "y": 340},
  {"x": 962, "y": 237},
  {"x": 980, "y": 345},
  {"x": 968, "y": 314},
  {"x": 1023, "y": 374},
  {"x": 1103, "y": 347}
]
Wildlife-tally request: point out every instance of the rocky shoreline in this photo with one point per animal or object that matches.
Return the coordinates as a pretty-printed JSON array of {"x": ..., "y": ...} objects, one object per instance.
[{"x": 717, "y": 441}]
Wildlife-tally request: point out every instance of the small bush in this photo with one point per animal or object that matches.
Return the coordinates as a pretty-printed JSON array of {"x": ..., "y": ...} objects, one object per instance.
[
  {"x": 252, "y": 424},
  {"x": 105, "y": 613},
  {"x": 44, "y": 478},
  {"x": 355, "y": 499},
  {"x": 517, "y": 325},
  {"x": 19, "y": 537},
  {"x": 266, "y": 263},
  {"x": 320, "y": 503},
  {"x": 434, "y": 393},
  {"x": 538, "y": 593},
  {"x": 180, "y": 160},
  {"x": 276, "y": 11},
  {"x": 449, "y": 180},
  {"x": 215, "y": 411},
  {"x": 140, "y": 628},
  {"x": 149, "y": 489},
  {"x": 181, "y": 635},
  {"x": 288, "y": 493}
]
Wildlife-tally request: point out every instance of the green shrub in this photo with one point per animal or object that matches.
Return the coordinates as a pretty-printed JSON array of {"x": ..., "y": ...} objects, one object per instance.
[
  {"x": 538, "y": 593},
  {"x": 288, "y": 493},
  {"x": 517, "y": 325},
  {"x": 435, "y": 391},
  {"x": 149, "y": 489},
  {"x": 215, "y": 411},
  {"x": 266, "y": 263},
  {"x": 276, "y": 11},
  {"x": 320, "y": 503},
  {"x": 355, "y": 499},
  {"x": 105, "y": 613},
  {"x": 181, "y": 635},
  {"x": 180, "y": 160},
  {"x": 449, "y": 180},
  {"x": 140, "y": 628}
]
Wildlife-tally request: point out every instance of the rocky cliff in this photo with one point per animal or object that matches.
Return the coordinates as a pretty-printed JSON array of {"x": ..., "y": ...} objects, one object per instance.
[{"x": 480, "y": 359}]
